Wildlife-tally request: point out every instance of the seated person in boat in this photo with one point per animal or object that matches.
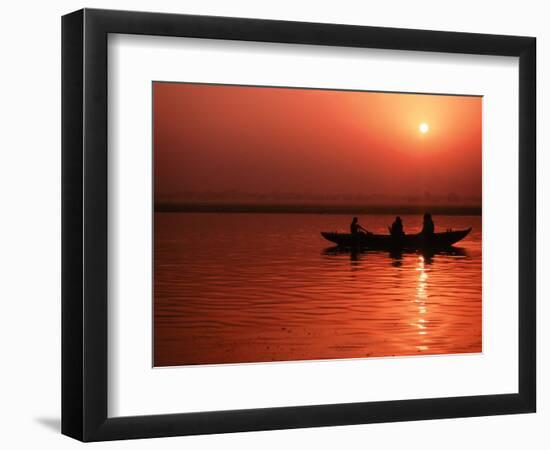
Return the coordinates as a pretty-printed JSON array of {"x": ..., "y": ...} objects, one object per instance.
[
  {"x": 428, "y": 227},
  {"x": 355, "y": 228},
  {"x": 396, "y": 230}
]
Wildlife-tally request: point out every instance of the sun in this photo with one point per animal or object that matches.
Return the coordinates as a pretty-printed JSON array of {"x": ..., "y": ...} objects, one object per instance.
[{"x": 424, "y": 127}]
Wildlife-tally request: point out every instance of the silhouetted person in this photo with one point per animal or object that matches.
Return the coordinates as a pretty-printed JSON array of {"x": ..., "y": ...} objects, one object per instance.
[
  {"x": 396, "y": 229},
  {"x": 428, "y": 227},
  {"x": 355, "y": 228}
]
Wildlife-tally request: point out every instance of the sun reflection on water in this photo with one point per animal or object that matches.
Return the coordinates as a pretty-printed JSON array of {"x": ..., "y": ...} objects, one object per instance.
[{"x": 420, "y": 299}]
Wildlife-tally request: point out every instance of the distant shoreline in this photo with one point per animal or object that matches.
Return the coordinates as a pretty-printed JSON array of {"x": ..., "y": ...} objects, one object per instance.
[{"x": 448, "y": 210}]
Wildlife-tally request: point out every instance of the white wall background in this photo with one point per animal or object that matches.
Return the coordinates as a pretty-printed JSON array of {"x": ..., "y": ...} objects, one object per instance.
[{"x": 30, "y": 223}]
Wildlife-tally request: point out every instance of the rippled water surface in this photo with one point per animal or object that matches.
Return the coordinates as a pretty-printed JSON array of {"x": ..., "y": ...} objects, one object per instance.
[{"x": 233, "y": 288}]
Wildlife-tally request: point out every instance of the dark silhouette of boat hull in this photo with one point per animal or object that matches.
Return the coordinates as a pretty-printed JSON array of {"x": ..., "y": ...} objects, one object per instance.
[{"x": 387, "y": 242}]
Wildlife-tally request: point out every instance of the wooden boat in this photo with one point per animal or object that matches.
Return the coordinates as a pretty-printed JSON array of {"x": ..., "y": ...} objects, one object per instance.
[{"x": 388, "y": 242}]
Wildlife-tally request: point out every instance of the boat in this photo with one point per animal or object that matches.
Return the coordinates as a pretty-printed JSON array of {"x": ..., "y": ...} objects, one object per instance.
[{"x": 416, "y": 241}]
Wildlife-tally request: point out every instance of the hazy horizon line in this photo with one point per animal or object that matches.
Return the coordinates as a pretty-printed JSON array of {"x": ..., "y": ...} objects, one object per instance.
[{"x": 465, "y": 210}]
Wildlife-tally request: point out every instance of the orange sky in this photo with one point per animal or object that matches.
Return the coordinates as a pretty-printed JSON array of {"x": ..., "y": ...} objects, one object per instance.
[{"x": 215, "y": 142}]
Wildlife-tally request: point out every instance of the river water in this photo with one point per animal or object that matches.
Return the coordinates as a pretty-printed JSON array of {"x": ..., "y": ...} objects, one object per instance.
[{"x": 235, "y": 288}]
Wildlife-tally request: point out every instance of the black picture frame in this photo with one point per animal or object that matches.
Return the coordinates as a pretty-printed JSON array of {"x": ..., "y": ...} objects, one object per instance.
[{"x": 84, "y": 224}]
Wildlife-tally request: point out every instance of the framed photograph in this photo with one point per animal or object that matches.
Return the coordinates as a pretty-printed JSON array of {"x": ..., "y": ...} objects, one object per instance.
[{"x": 272, "y": 224}]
